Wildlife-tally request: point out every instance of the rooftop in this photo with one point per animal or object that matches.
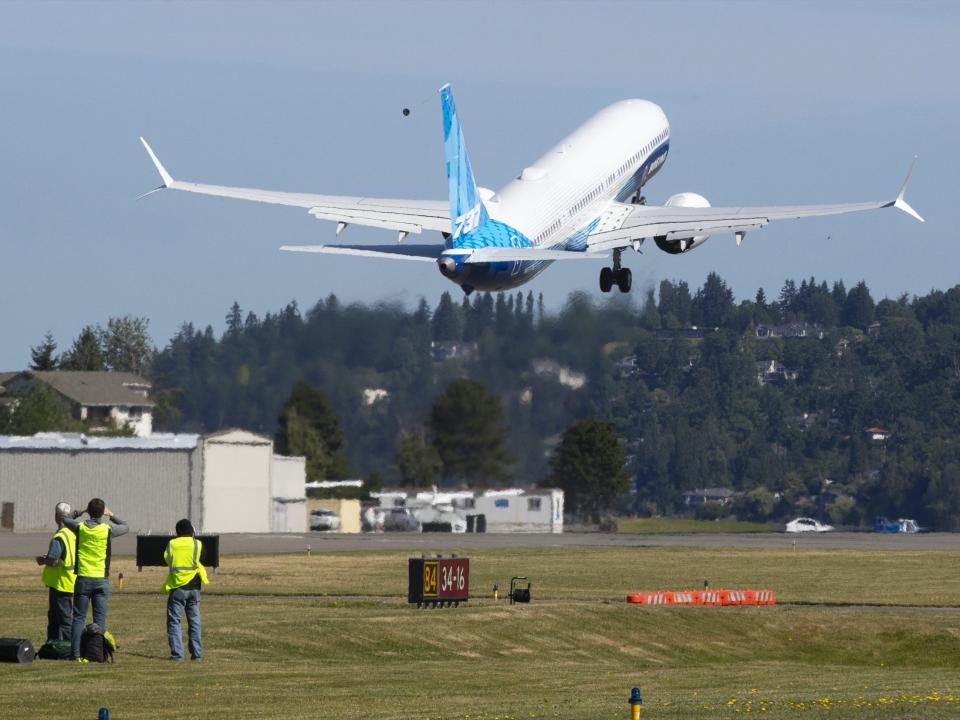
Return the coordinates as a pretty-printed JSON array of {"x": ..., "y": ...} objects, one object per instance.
[
  {"x": 98, "y": 388},
  {"x": 78, "y": 441}
]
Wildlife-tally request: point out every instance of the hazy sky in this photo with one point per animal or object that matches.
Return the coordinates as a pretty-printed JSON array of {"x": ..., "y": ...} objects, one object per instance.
[{"x": 769, "y": 103}]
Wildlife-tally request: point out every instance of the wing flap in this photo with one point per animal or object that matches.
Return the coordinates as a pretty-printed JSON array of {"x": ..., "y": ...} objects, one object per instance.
[{"x": 421, "y": 253}]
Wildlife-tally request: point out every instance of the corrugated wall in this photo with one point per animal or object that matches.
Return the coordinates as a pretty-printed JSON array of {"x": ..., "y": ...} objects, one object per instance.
[{"x": 150, "y": 489}]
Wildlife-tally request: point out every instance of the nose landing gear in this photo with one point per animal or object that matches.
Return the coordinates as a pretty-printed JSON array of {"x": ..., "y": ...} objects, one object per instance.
[{"x": 620, "y": 276}]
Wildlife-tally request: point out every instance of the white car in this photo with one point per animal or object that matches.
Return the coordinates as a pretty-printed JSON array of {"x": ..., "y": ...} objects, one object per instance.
[
  {"x": 324, "y": 521},
  {"x": 807, "y": 525}
]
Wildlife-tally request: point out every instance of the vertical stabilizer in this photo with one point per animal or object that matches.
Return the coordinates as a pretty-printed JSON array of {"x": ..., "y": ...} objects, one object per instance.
[{"x": 466, "y": 210}]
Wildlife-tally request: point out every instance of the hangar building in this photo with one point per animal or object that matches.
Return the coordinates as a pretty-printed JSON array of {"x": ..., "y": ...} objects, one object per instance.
[{"x": 226, "y": 482}]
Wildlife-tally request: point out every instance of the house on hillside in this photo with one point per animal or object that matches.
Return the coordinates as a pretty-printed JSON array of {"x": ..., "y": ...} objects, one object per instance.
[
  {"x": 101, "y": 399},
  {"x": 878, "y": 433},
  {"x": 443, "y": 350},
  {"x": 771, "y": 372},
  {"x": 706, "y": 496},
  {"x": 790, "y": 331}
]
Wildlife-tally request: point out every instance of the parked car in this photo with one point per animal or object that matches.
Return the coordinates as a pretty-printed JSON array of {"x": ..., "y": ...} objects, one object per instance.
[
  {"x": 324, "y": 521},
  {"x": 901, "y": 525},
  {"x": 805, "y": 524},
  {"x": 400, "y": 520}
]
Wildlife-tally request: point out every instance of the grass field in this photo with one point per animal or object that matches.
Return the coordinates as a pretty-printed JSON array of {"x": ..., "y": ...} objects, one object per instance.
[
  {"x": 860, "y": 635},
  {"x": 689, "y": 525}
]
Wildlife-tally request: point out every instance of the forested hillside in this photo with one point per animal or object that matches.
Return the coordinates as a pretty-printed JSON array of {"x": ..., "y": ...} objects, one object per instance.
[{"x": 857, "y": 415}]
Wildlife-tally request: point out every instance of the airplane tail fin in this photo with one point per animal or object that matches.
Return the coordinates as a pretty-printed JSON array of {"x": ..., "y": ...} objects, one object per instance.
[{"x": 466, "y": 209}]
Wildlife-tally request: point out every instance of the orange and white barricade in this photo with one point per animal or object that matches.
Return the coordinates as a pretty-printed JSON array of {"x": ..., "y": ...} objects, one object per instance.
[
  {"x": 651, "y": 598},
  {"x": 736, "y": 597},
  {"x": 766, "y": 597},
  {"x": 714, "y": 598}
]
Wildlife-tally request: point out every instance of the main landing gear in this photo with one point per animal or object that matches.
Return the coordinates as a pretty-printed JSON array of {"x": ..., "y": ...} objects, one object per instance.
[{"x": 619, "y": 275}]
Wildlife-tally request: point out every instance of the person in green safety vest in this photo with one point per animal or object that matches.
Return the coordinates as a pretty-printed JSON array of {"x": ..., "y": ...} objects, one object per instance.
[
  {"x": 93, "y": 566},
  {"x": 59, "y": 575},
  {"x": 185, "y": 577}
]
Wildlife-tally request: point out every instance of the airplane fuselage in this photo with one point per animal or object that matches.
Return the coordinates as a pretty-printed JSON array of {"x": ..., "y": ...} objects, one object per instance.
[{"x": 556, "y": 202}]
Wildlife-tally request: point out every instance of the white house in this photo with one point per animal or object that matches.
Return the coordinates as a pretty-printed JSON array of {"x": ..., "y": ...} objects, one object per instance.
[{"x": 101, "y": 399}]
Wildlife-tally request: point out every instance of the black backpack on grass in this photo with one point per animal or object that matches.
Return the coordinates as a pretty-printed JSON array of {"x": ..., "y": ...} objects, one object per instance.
[{"x": 97, "y": 645}]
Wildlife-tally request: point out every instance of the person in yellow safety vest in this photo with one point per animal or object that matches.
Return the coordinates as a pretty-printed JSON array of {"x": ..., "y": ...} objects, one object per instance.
[
  {"x": 185, "y": 577},
  {"x": 93, "y": 566},
  {"x": 59, "y": 575}
]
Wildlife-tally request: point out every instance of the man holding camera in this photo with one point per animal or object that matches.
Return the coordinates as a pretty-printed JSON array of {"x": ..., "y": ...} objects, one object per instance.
[
  {"x": 93, "y": 565},
  {"x": 59, "y": 575}
]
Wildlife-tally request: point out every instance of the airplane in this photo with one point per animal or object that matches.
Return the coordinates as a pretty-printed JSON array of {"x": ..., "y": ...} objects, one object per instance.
[{"x": 581, "y": 201}]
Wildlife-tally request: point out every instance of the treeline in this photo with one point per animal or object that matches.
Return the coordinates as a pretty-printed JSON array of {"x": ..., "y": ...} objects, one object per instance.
[
  {"x": 855, "y": 416},
  {"x": 695, "y": 408}
]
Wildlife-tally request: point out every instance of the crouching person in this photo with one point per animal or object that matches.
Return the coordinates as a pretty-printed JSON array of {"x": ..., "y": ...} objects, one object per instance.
[{"x": 184, "y": 579}]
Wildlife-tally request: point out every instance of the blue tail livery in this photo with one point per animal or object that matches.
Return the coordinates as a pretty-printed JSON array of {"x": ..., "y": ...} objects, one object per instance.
[{"x": 466, "y": 210}]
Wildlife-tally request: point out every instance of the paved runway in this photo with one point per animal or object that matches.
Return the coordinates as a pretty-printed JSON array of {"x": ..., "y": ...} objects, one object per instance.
[{"x": 30, "y": 544}]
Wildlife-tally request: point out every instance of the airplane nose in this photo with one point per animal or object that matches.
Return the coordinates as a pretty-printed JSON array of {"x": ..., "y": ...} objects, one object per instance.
[{"x": 448, "y": 266}]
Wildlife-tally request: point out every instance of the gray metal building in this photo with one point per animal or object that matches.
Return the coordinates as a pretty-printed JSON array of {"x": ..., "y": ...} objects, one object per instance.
[{"x": 223, "y": 482}]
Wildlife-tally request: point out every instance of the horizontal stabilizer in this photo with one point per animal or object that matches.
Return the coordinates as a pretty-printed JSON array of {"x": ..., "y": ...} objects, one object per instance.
[
  {"x": 397, "y": 251},
  {"x": 506, "y": 254}
]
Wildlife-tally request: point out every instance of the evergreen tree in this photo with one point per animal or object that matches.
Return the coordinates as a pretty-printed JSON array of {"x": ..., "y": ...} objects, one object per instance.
[
  {"x": 839, "y": 293},
  {"x": 85, "y": 353},
  {"x": 447, "y": 323},
  {"x": 713, "y": 303},
  {"x": 234, "y": 320},
  {"x": 589, "y": 466},
  {"x": 788, "y": 297},
  {"x": 859, "y": 308},
  {"x": 43, "y": 356},
  {"x": 466, "y": 427}
]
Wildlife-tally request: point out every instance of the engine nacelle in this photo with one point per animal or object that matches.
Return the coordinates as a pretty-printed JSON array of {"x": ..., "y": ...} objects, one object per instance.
[{"x": 676, "y": 246}]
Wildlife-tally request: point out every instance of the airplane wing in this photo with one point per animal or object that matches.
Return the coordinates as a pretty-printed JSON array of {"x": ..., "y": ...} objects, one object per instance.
[
  {"x": 629, "y": 224},
  {"x": 430, "y": 253},
  {"x": 396, "y": 251},
  {"x": 404, "y": 216}
]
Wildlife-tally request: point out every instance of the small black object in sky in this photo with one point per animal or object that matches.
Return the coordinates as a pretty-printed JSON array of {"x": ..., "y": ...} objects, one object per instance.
[{"x": 406, "y": 112}]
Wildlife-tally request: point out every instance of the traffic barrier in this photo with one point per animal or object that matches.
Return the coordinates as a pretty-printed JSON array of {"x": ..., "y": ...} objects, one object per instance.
[
  {"x": 765, "y": 597},
  {"x": 710, "y": 598}
]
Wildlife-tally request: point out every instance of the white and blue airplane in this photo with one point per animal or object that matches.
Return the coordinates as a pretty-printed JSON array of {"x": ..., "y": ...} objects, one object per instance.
[{"x": 581, "y": 201}]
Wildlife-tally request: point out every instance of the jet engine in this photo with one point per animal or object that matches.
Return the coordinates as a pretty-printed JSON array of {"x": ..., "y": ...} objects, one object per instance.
[{"x": 676, "y": 246}]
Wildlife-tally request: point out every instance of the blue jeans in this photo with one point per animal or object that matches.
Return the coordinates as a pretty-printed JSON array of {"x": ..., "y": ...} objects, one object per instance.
[
  {"x": 178, "y": 600},
  {"x": 87, "y": 590}
]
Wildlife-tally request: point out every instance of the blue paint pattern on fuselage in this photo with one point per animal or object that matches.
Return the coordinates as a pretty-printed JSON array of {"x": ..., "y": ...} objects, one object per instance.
[{"x": 495, "y": 276}]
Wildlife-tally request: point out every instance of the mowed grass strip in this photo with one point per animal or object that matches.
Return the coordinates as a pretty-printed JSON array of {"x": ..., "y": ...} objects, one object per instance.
[
  {"x": 852, "y": 577},
  {"x": 360, "y": 651}
]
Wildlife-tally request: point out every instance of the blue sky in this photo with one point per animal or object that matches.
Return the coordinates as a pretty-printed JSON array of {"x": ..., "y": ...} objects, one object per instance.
[{"x": 769, "y": 103}]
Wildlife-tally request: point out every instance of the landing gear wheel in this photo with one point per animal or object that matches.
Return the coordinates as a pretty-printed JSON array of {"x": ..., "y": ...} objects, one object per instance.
[
  {"x": 606, "y": 279},
  {"x": 624, "y": 280}
]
